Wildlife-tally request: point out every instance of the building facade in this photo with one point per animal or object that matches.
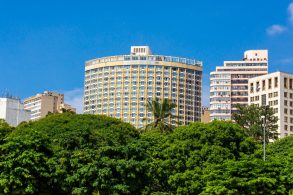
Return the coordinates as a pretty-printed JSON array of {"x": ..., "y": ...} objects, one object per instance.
[
  {"x": 120, "y": 86},
  {"x": 229, "y": 83},
  {"x": 66, "y": 108},
  {"x": 276, "y": 91},
  {"x": 42, "y": 104},
  {"x": 205, "y": 114},
  {"x": 12, "y": 111}
]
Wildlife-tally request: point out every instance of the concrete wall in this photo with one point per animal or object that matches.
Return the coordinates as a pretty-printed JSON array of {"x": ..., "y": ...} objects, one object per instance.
[{"x": 12, "y": 111}]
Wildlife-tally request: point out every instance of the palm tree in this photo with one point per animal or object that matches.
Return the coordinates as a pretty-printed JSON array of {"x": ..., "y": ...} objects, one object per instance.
[{"x": 162, "y": 114}]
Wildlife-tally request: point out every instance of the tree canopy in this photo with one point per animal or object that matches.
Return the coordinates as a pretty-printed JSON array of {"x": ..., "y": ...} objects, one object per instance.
[
  {"x": 87, "y": 154},
  {"x": 5, "y": 129},
  {"x": 254, "y": 118},
  {"x": 78, "y": 154}
]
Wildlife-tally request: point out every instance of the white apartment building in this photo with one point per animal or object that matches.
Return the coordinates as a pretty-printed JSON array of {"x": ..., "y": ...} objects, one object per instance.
[
  {"x": 48, "y": 102},
  {"x": 275, "y": 90},
  {"x": 229, "y": 83},
  {"x": 12, "y": 111}
]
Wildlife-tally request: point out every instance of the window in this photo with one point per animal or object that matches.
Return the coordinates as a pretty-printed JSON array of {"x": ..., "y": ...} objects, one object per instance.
[
  {"x": 285, "y": 119},
  {"x": 285, "y": 102},
  {"x": 285, "y": 94},
  {"x": 263, "y": 100},
  {"x": 285, "y": 83},
  {"x": 276, "y": 102},
  {"x": 285, "y": 110},
  {"x": 251, "y": 88},
  {"x": 264, "y": 85},
  {"x": 275, "y": 94},
  {"x": 290, "y": 84},
  {"x": 276, "y": 82},
  {"x": 270, "y": 83},
  {"x": 275, "y": 110}
]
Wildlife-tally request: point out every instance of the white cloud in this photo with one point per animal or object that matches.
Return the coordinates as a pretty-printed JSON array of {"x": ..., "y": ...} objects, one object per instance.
[
  {"x": 290, "y": 10},
  {"x": 276, "y": 29},
  {"x": 75, "y": 98},
  {"x": 279, "y": 29}
]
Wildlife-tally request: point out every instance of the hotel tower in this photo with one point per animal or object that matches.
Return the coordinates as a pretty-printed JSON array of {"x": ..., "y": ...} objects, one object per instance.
[
  {"x": 120, "y": 86},
  {"x": 229, "y": 83}
]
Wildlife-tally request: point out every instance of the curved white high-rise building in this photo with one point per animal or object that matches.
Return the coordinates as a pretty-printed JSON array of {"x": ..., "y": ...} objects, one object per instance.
[{"x": 119, "y": 86}]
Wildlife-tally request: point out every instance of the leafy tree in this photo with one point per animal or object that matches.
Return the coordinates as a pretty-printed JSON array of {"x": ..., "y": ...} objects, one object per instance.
[
  {"x": 162, "y": 114},
  {"x": 74, "y": 154},
  {"x": 180, "y": 159},
  {"x": 251, "y": 119},
  {"x": 281, "y": 151},
  {"x": 251, "y": 175},
  {"x": 23, "y": 163},
  {"x": 87, "y": 154},
  {"x": 247, "y": 175},
  {"x": 5, "y": 129}
]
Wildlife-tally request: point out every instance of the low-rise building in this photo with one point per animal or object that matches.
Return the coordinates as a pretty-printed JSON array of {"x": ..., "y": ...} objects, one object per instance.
[
  {"x": 67, "y": 108},
  {"x": 205, "y": 114},
  {"x": 42, "y": 104},
  {"x": 12, "y": 111},
  {"x": 276, "y": 91}
]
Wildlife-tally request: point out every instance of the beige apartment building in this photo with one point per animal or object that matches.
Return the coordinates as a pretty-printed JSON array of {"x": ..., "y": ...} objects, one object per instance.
[
  {"x": 120, "y": 86},
  {"x": 229, "y": 83},
  {"x": 48, "y": 102},
  {"x": 205, "y": 114},
  {"x": 276, "y": 91}
]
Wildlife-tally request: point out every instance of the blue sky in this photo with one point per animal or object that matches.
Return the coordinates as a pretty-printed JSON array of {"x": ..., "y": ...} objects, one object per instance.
[{"x": 44, "y": 44}]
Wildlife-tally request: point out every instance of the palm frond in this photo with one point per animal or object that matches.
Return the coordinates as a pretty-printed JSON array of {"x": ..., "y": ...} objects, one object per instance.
[{"x": 162, "y": 114}]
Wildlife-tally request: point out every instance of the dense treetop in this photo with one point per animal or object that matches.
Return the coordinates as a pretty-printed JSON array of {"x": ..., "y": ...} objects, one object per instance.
[{"x": 87, "y": 154}]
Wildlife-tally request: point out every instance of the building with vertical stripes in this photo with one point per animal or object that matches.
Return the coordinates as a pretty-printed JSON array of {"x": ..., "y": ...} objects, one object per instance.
[{"x": 120, "y": 86}]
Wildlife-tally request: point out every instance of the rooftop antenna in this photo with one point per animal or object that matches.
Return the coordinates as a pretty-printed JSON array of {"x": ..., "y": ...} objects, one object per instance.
[{"x": 7, "y": 94}]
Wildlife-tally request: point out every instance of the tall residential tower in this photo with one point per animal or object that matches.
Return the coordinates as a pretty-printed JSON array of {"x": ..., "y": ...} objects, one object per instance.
[
  {"x": 229, "y": 83},
  {"x": 119, "y": 86}
]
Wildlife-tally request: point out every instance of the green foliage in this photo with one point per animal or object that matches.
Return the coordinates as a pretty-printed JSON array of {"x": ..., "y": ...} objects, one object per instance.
[
  {"x": 87, "y": 154},
  {"x": 78, "y": 154},
  {"x": 23, "y": 163},
  {"x": 5, "y": 129},
  {"x": 180, "y": 158},
  {"x": 162, "y": 114},
  {"x": 251, "y": 175},
  {"x": 250, "y": 118}
]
